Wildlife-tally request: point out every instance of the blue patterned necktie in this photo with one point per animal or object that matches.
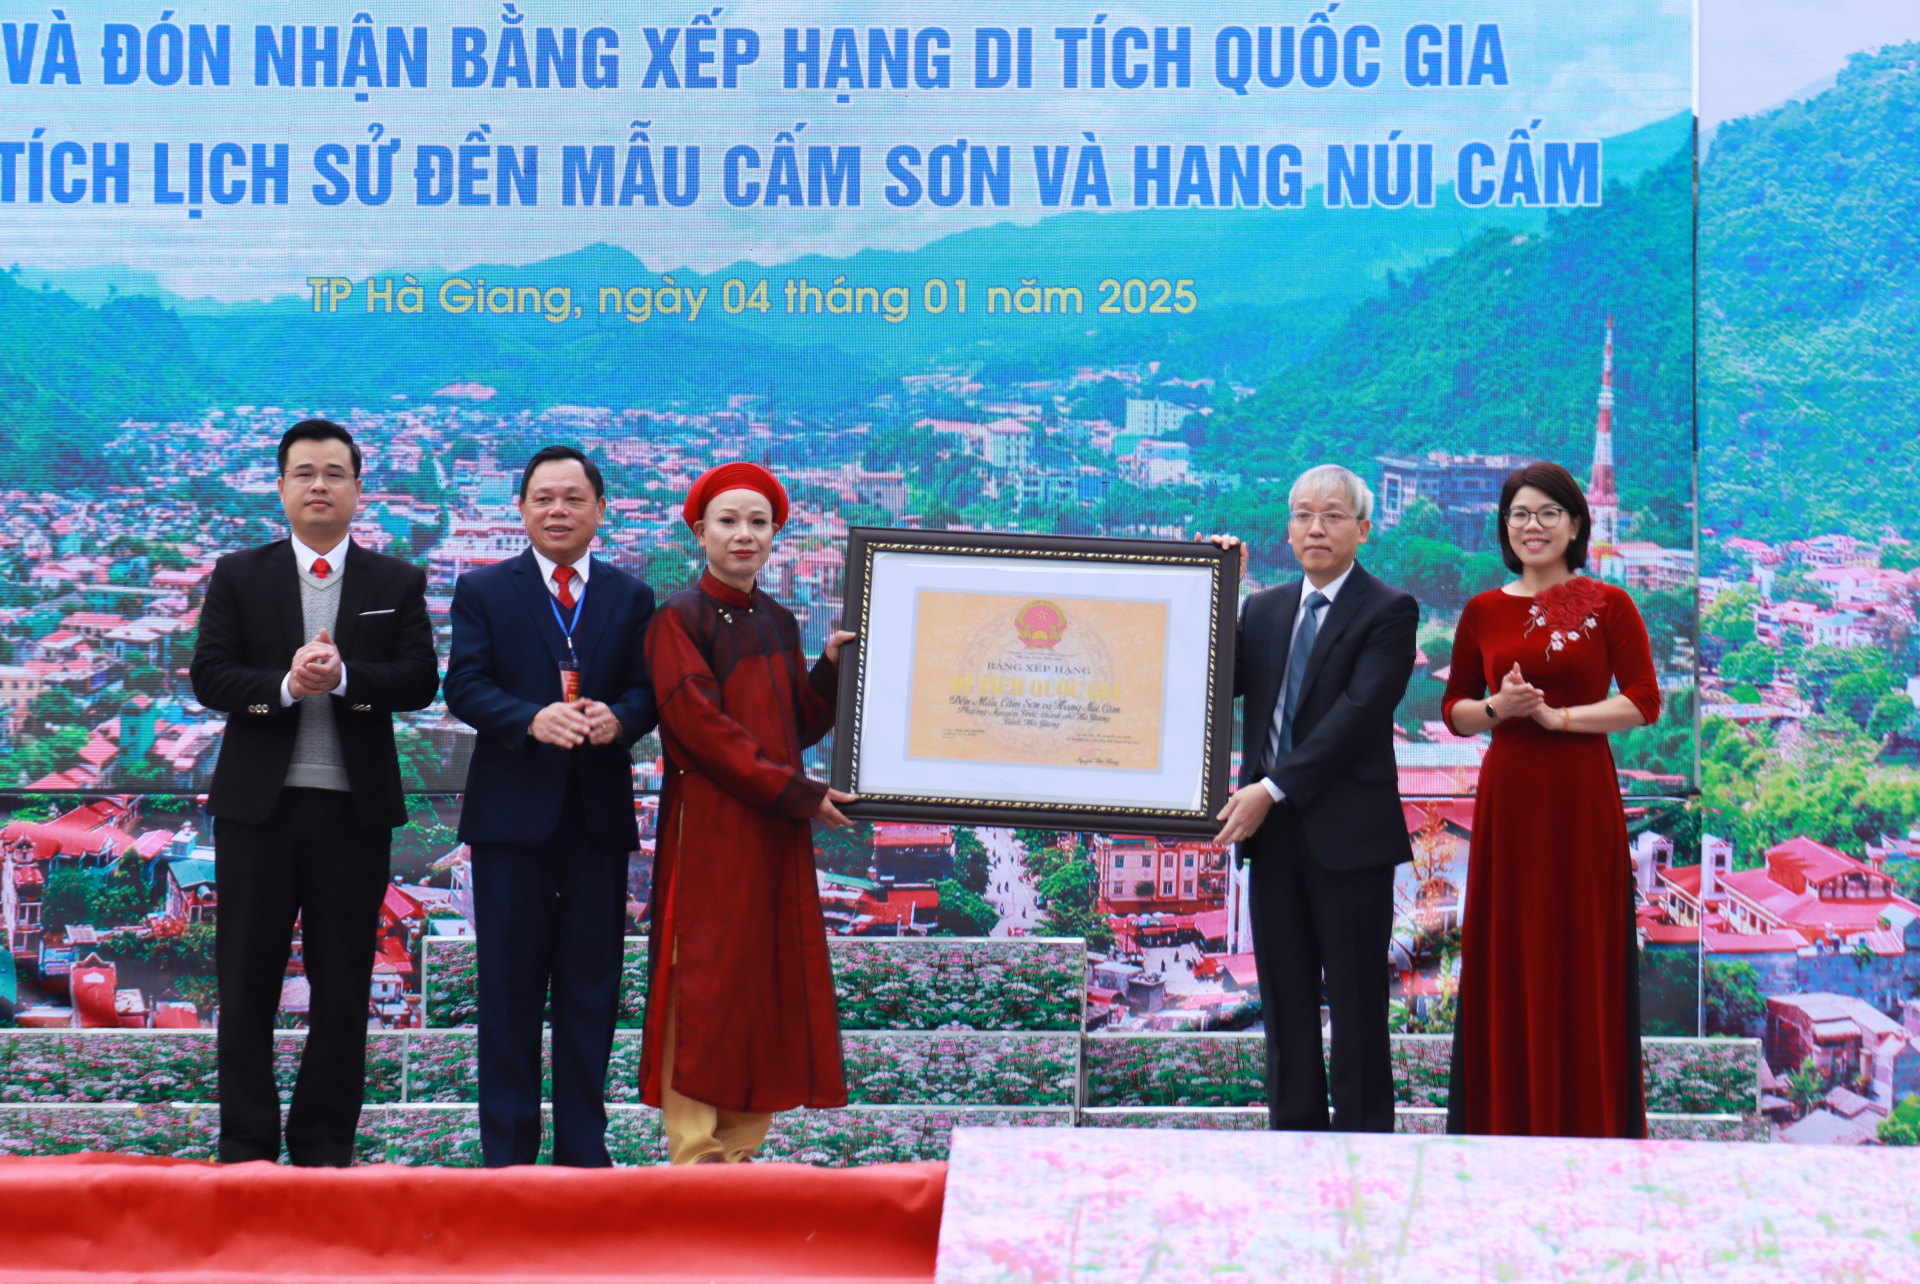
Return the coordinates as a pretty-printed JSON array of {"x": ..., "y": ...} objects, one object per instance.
[{"x": 1297, "y": 667}]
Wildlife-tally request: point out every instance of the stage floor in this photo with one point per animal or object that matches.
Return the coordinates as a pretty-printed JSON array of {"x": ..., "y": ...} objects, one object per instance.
[
  {"x": 1120, "y": 1208},
  {"x": 1015, "y": 1206}
]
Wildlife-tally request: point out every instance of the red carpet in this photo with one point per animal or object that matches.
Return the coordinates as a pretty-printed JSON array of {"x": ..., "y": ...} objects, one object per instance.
[{"x": 119, "y": 1218}]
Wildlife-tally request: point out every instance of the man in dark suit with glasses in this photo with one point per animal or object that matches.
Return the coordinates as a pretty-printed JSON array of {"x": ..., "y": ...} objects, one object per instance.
[
  {"x": 1322, "y": 663},
  {"x": 309, "y": 645}
]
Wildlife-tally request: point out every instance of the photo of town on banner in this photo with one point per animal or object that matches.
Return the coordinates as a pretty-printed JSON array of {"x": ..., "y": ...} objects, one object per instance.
[
  {"x": 103, "y": 586},
  {"x": 109, "y": 864},
  {"x": 1083, "y": 680},
  {"x": 112, "y": 902}
]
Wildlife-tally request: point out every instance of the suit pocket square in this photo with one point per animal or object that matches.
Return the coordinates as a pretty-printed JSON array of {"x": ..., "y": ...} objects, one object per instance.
[{"x": 388, "y": 611}]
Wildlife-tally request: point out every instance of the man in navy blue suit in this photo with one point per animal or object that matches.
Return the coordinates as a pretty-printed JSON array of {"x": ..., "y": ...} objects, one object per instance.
[{"x": 548, "y": 665}]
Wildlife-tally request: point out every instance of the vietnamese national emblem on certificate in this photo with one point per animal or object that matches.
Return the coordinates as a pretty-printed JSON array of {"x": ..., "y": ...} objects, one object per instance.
[{"x": 1040, "y": 624}]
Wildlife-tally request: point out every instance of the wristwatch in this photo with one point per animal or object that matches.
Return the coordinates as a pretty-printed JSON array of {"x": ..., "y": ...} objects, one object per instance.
[{"x": 1492, "y": 713}]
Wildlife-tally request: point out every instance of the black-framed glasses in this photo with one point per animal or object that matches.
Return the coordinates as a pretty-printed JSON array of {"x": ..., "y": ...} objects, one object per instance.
[{"x": 1549, "y": 517}]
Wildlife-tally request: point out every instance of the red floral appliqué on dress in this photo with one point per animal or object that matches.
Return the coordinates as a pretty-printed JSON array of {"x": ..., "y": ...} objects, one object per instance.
[{"x": 1568, "y": 612}]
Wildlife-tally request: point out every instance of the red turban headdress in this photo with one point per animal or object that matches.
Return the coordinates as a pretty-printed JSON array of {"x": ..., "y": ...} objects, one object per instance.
[{"x": 736, "y": 476}]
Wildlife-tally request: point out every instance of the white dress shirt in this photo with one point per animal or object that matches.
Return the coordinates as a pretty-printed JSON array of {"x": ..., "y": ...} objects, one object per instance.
[
  {"x": 580, "y": 569},
  {"x": 1330, "y": 592},
  {"x": 547, "y": 567},
  {"x": 305, "y": 557}
]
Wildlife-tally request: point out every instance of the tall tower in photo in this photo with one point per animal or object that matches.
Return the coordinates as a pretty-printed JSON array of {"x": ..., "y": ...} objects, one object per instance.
[{"x": 1603, "y": 499}]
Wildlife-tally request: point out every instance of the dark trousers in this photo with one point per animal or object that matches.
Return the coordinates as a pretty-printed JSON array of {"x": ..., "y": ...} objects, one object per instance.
[
  {"x": 1312, "y": 925},
  {"x": 310, "y": 859},
  {"x": 552, "y": 912}
]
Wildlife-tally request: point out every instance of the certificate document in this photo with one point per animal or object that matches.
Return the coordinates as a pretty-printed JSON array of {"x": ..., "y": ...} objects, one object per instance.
[
  {"x": 1056, "y": 681},
  {"x": 1064, "y": 682}
]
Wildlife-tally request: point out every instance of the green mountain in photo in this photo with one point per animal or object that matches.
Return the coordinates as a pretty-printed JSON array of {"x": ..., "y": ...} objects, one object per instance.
[
  {"x": 1497, "y": 348},
  {"x": 1273, "y": 286},
  {"x": 1810, "y": 311},
  {"x": 69, "y": 372}
]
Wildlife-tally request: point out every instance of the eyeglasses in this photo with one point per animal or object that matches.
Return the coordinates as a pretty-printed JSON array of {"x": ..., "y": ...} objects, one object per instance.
[
  {"x": 307, "y": 476},
  {"x": 1548, "y": 517},
  {"x": 1305, "y": 519}
]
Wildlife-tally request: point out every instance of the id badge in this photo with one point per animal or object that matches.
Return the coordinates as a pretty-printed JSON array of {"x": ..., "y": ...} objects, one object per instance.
[{"x": 569, "y": 682}]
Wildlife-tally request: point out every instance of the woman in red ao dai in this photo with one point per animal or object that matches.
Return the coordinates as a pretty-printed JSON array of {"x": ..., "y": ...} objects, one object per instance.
[{"x": 1547, "y": 1038}]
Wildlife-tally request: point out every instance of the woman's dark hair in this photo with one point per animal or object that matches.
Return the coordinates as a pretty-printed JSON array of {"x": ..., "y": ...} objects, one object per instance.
[
  {"x": 318, "y": 430},
  {"x": 548, "y": 454},
  {"x": 1558, "y": 485}
]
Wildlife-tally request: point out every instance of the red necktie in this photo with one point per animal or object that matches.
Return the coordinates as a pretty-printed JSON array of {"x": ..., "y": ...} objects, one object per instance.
[
  {"x": 562, "y": 575},
  {"x": 320, "y": 568}
]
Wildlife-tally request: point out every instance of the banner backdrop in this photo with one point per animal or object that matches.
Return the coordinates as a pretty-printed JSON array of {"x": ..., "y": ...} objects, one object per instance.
[
  {"x": 1117, "y": 272},
  {"x": 1809, "y": 893}
]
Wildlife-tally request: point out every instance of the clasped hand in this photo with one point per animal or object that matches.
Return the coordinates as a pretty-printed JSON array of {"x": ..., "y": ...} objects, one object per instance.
[
  {"x": 567, "y": 724},
  {"x": 1518, "y": 698},
  {"x": 316, "y": 667}
]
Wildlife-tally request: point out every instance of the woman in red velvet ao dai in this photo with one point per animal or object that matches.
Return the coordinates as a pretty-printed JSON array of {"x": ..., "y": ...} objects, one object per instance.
[{"x": 1547, "y": 1040}]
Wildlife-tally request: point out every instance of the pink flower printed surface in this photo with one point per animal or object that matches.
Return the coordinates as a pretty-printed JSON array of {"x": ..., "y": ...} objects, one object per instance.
[{"x": 1027, "y": 1207}]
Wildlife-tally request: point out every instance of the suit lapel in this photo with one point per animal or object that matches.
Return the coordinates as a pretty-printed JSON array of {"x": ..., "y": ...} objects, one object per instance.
[
  {"x": 283, "y": 588},
  {"x": 594, "y": 613},
  {"x": 353, "y": 595},
  {"x": 539, "y": 603},
  {"x": 1347, "y": 606}
]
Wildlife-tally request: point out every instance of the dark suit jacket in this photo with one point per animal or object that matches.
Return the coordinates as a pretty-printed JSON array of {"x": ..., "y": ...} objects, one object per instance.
[
  {"x": 1340, "y": 775},
  {"x": 505, "y": 668},
  {"x": 250, "y": 626}
]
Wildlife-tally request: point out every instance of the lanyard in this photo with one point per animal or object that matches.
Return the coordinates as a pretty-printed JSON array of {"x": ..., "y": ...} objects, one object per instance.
[{"x": 566, "y": 629}]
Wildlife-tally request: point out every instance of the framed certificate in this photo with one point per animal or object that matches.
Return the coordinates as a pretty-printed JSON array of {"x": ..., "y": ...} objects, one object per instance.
[{"x": 1057, "y": 682}]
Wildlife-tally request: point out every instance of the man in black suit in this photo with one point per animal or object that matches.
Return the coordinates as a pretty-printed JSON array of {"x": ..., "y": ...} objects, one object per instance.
[
  {"x": 1322, "y": 663},
  {"x": 308, "y": 645},
  {"x": 548, "y": 664}
]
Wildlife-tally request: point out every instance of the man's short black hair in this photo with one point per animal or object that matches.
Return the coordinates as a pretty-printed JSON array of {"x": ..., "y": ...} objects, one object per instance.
[
  {"x": 318, "y": 430},
  {"x": 547, "y": 454}
]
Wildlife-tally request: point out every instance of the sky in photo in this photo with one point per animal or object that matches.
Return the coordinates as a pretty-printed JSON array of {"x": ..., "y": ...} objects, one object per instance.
[{"x": 1756, "y": 54}]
